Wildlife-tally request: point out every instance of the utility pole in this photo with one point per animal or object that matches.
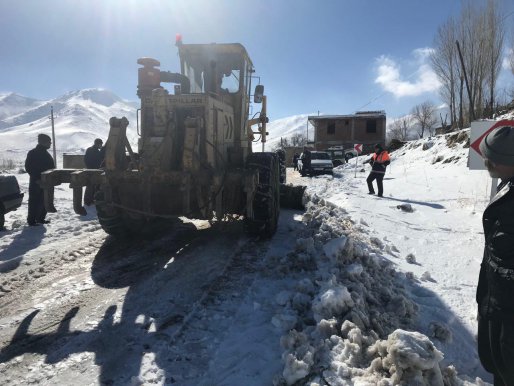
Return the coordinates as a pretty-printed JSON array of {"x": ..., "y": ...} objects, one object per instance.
[
  {"x": 307, "y": 138},
  {"x": 53, "y": 134}
]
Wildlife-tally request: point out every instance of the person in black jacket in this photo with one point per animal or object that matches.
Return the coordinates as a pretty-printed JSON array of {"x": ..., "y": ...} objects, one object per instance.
[
  {"x": 379, "y": 161},
  {"x": 93, "y": 159},
  {"x": 495, "y": 291},
  {"x": 295, "y": 161},
  {"x": 38, "y": 160}
]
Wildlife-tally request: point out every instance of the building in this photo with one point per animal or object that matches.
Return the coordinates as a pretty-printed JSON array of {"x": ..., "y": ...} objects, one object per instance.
[{"x": 366, "y": 127}]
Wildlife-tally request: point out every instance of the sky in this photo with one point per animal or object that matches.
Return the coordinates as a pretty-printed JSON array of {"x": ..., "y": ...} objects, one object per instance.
[{"x": 332, "y": 57}]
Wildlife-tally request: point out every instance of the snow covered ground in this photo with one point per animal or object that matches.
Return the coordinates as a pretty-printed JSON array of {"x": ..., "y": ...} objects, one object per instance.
[{"x": 353, "y": 291}]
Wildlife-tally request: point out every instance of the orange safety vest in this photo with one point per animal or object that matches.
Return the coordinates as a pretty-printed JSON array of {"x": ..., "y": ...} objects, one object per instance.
[{"x": 382, "y": 157}]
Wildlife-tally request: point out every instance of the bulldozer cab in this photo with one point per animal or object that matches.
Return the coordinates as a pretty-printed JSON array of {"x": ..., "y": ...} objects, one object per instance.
[
  {"x": 222, "y": 71},
  {"x": 213, "y": 88}
]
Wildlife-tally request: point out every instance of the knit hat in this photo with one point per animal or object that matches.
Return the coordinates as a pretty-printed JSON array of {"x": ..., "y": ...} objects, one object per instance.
[
  {"x": 498, "y": 146},
  {"x": 43, "y": 138},
  {"x": 98, "y": 141}
]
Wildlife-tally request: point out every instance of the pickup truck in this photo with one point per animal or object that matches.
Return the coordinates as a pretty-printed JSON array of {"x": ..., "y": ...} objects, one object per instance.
[
  {"x": 320, "y": 163},
  {"x": 10, "y": 196}
]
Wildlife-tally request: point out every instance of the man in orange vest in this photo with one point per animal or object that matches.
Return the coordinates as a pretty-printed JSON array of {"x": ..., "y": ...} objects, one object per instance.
[{"x": 379, "y": 162}]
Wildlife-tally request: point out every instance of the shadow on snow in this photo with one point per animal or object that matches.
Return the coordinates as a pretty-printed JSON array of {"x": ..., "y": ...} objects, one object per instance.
[
  {"x": 148, "y": 324},
  {"x": 29, "y": 238}
]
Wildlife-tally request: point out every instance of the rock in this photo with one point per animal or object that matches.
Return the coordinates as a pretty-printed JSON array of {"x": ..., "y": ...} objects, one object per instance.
[{"x": 405, "y": 207}]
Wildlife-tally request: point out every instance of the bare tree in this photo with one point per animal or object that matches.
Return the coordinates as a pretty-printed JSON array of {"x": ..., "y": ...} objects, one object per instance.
[
  {"x": 480, "y": 32},
  {"x": 399, "y": 129},
  {"x": 424, "y": 116},
  {"x": 445, "y": 64},
  {"x": 495, "y": 34},
  {"x": 284, "y": 142},
  {"x": 472, "y": 48},
  {"x": 512, "y": 50},
  {"x": 298, "y": 140}
]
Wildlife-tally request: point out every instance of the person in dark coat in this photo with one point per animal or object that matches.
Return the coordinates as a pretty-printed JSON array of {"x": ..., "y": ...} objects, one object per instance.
[
  {"x": 93, "y": 159},
  {"x": 306, "y": 161},
  {"x": 379, "y": 162},
  {"x": 38, "y": 160},
  {"x": 295, "y": 161},
  {"x": 495, "y": 291}
]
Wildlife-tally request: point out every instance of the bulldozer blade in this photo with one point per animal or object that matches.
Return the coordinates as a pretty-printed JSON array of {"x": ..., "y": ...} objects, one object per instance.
[
  {"x": 77, "y": 201},
  {"x": 291, "y": 197}
]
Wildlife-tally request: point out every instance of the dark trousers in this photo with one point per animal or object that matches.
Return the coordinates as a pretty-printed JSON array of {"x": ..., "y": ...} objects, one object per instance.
[
  {"x": 375, "y": 176},
  {"x": 37, "y": 211},
  {"x": 496, "y": 349}
]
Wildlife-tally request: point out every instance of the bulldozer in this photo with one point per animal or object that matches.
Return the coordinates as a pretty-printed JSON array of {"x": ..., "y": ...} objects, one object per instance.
[{"x": 194, "y": 157}]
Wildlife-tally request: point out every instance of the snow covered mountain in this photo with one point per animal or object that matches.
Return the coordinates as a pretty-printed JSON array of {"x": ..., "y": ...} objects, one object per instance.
[
  {"x": 79, "y": 118},
  {"x": 285, "y": 128},
  {"x": 12, "y": 104}
]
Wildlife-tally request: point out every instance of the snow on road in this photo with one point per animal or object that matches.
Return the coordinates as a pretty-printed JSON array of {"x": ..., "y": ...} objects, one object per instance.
[
  {"x": 438, "y": 246},
  {"x": 355, "y": 291}
]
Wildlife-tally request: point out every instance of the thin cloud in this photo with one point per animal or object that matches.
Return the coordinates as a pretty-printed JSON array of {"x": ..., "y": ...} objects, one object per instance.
[
  {"x": 506, "y": 62},
  {"x": 423, "y": 80},
  {"x": 422, "y": 54}
]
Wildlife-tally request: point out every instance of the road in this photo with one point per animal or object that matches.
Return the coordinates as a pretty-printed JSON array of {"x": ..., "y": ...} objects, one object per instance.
[{"x": 183, "y": 308}]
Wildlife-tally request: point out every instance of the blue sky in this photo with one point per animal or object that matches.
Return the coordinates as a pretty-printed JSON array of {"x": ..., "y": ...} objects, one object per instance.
[{"x": 331, "y": 56}]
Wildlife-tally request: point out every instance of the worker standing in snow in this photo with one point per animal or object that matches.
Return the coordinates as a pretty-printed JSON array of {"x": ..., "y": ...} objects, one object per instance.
[
  {"x": 379, "y": 162},
  {"x": 38, "y": 160},
  {"x": 93, "y": 159},
  {"x": 495, "y": 292},
  {"x": 295, "y": 161},
  {"x": 306, "y": 161}
]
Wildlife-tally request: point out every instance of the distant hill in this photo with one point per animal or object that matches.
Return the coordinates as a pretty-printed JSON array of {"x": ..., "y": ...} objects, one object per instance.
[
  {"x": 12, "y": 104},
  {"x": 79, "y": 116}
]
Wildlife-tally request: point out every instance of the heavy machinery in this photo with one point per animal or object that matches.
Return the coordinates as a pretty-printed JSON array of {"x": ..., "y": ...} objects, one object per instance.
[
  {"x": 194, "y": 156},
  {"x": 10, "y": 197}
]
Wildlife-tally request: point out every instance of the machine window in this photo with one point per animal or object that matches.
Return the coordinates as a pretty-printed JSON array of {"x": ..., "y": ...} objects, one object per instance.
[{"x": 230, "y": 81}]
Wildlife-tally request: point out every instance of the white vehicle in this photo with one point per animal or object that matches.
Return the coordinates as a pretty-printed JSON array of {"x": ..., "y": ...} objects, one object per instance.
[
  {"x": 340, "y": 156},
  {"x": 319, "y": 163}
]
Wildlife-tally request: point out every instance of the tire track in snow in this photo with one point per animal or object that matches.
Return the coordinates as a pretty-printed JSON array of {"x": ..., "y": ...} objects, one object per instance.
[{"x": 170, "y": 282}]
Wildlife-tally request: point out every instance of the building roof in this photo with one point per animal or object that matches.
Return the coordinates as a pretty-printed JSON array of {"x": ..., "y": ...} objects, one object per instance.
[{"x": 359, "y": 114}]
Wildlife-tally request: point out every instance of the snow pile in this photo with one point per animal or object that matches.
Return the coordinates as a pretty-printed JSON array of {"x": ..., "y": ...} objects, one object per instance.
[{"x": 347, "y": 320}]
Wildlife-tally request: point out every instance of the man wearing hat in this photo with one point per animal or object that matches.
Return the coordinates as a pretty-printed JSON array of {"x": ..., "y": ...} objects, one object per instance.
[
  {"x": 38, "y": 160},
  {"x": 495, "y": 292},
  {"x": 379, "y": 161},
  {"x": 93, "y": 159}
]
